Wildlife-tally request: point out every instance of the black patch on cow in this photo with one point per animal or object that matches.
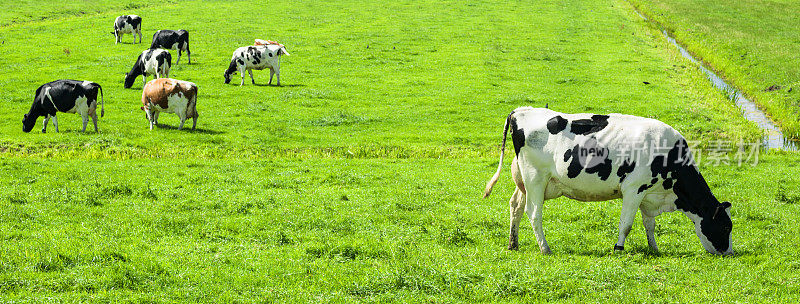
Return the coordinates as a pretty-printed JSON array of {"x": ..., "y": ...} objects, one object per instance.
[
  {"x": 668, "y": 183},
  {"x": 693, "y": 193},
  {"x": 589, "y": 126},
  {"x": 517, "y": 135},
  {"x": 643, "y": 188},
  {"x": 575, "y": 167},
  {"x": 603, "y": 169},
  {"x": 584, "y": 157},
  {"x": 626, "y": 168},
  {"x": 556, "y": 124},
  {"x": 255, "y": 55}
]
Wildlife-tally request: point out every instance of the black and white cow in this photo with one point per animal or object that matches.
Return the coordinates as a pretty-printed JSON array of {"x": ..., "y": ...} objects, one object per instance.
[
  {"x": 256, "y": 57},
  {"x": 172, "y": 40},
  {"x": 68, "y": 96},
  {"x": 601, "y": 157},
  {"x": 155, "y": 62},
  {"x": 127, "y": 24}
]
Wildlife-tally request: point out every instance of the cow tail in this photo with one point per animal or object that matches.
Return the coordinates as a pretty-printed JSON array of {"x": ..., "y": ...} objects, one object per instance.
[
  {"x": 102, "y": 102},
  {"x": 496, "y": 176}
]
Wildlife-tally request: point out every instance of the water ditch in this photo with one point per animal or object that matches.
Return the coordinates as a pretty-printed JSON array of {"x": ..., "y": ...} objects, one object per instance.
[{"x": 773, "y": 137}]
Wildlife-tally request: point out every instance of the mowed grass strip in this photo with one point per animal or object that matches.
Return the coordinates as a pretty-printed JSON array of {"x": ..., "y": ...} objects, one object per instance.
[
  {"x": 417, "y": 75},
  {"x": 752, "y": 43},
  {"x": 369, "y": 230}
]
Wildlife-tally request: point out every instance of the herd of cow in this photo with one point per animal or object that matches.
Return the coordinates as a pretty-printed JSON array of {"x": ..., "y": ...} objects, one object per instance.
[
  {"x": 581, "y": 156},
  {"x": 158, "y": 95}
]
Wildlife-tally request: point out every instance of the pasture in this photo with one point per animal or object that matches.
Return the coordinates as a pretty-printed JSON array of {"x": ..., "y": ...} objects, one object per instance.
[{"x": 360, "y": 179}]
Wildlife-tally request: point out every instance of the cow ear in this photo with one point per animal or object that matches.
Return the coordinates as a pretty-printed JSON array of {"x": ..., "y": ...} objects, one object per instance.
[{"x": 726, "y": 205}]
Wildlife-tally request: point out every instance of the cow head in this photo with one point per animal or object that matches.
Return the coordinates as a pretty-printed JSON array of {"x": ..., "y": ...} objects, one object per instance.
[
  {"x": 229, "y": 72},
  {"x": 28, "y": 122},
  {"x": 713, "y": 227},
  {"x": 129, "y": 79}
]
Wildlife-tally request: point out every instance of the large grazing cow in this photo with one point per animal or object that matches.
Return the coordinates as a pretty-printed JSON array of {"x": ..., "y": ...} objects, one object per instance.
[
  {"x": 256, "y": 57},
  {"x": 172, "y": 40},
  {"x": 127, "y": 24},
  {"x": 155, "y": 62},
  {"x": 601, "y": 157},
  {"x": 68, "y": 96},
  {"x": 171, "y": 96}
]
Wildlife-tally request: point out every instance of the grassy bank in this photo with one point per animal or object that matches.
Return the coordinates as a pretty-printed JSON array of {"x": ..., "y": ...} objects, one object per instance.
[{"x": 752, "y": 43}]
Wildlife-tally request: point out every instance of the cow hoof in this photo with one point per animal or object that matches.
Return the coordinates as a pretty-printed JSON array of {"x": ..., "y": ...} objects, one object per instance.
[
  {"x": 44, "y": 131},
  {"x": 513, "y": 247},
  {"x": 547, "y": 251},
  {"x": 619, "y": 248}
]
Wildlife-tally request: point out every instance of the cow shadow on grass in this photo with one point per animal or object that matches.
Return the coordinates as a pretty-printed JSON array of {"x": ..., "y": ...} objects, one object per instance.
[
  {"x": 189, "y": 129},
  {"x": 281, "y": 86},
  {"x": 647, "y": 252}
]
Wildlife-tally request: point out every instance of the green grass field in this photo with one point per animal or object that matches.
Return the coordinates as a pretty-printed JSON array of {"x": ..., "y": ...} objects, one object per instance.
[
  {"x": 360, "y": 178},
  {"x": 752, "y": 43}
]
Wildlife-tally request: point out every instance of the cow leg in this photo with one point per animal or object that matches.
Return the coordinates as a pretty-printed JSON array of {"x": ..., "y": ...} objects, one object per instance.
[
  {"x": 271, "y": 73},
  {"x": 46, "y": 120},
  {"x": 55, "y": 123},
  {"x": 85, "y": 117},
  {"x": 533, "y": 208},
  {"x": 116, "y": 37},
  {"x": 649, "y": 228},
  {"x": 152, "y": 118},
  {"x": 251, "y": 76},
  {"x": 278, "y": 76},
  {"x": 630, "y": 203},
  {"x": 535, "y": 183},
  {"x": 242, "y": 83},
  {"x": 516, "y": 208},
  {"x": 144, "y": 80},
  {"x": 194, "y": 121},
  {"x": 179, "y": 56},
  {"x": 94, "y": 120},
  {"x": 183, "y": 119},
  {"x": 155, "y": 117}
]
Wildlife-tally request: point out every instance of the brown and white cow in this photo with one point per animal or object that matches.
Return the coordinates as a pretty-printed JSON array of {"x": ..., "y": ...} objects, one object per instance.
[
  {"x": 171, "y": 96},
  {"x": 266, "y": 42}
]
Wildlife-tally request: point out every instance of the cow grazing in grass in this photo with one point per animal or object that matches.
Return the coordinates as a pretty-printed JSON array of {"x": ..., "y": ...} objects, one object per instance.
[
  {"x": 172, "y": 40},
  {"x": 155, "y": 62},
  {"x": 127, "y": 24},
  {"x": 171, "y": 96},
  {"x": 256, "y": 57},
  {"x": 68, "y": 96},
  {"x": 266, "y": 42},
  {"x": 595, "y": 158}
]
